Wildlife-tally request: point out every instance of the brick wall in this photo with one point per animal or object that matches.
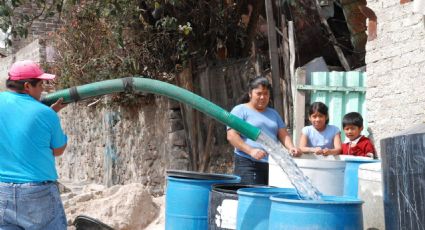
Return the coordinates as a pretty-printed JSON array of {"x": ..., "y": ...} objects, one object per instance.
[
  {"x": 39, "y": 29},
  {"x": 33, "y": 47},
  {"x": 395, "y": 67},
  {"x": 33, "y": 51}
]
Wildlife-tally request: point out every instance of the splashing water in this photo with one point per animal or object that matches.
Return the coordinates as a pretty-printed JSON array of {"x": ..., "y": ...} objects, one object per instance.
[{"x": 305, "y": 188}]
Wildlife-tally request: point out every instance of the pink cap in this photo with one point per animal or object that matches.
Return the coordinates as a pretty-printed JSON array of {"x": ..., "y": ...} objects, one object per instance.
[{"x": 22, "y": 70}]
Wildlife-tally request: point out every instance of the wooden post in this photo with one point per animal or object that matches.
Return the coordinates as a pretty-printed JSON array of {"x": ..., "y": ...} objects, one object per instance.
[
  {"x": 208, "y": 146},
  {"x": 291, "y": 41},
  {"x": 274, "y": 58},
  {"x": 287, "y": 76},
  {"x": 299, "y": 106}
]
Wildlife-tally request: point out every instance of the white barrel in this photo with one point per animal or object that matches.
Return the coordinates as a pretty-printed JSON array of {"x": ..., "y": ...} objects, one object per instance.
[
  {"x": 370, "y": 191},
  {"x": 326, "y": 174}
]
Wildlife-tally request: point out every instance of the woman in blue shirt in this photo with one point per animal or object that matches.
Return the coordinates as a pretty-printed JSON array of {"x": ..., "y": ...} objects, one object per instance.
[{"x": 251, "y": 160}]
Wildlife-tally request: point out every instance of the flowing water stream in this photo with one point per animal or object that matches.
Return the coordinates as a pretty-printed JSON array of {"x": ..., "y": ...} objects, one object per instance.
[{"x": 305, "y": 188}]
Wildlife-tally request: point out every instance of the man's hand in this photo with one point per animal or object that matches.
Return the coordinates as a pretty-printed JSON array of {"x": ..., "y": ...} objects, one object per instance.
[{"x": 58, "y": 105}]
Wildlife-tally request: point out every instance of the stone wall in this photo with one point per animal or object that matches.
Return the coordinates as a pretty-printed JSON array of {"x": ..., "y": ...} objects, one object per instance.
[
  {"x": 119, "y": 145},
  {"x": 395, "y": 69}
]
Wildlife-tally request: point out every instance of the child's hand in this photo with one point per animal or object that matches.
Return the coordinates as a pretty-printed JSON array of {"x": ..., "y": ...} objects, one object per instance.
[
  {"x": 295, "y": 152},
  {"x": 371, "y": 155},
  {"x": 325, "y": 152},
  {"x": 317, "y": 151}
]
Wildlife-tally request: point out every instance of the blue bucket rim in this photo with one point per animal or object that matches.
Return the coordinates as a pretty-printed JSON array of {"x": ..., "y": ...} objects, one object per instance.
[
  {"x": 326, "y": 200},
  {"x": 265, "y": 191},
  {"x": 190, "y": 176},
  {"x": 363, "y": 160}
]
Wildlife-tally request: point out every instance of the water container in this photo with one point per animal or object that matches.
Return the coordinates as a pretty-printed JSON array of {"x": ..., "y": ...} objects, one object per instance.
[
  {"x": 370, "y": 191},
  {"x": 326, "y": 174},
  {"x": 223, "y": 205},
  {"x": 254, "y": 207},
  {"x": 187, "y": 195},
  {"x": 351, "y": 180},
  {"x": 288, "y": 211},
  {"x": 403, "y": 174}
]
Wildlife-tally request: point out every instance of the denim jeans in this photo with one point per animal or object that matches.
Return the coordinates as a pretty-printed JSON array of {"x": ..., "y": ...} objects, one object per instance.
[
  {"x": 31, "y": 206},
  {"x": 251, "y": 172}
]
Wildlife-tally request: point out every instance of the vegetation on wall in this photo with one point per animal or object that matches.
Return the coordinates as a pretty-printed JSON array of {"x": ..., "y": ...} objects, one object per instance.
[{"x": 101, "y": 40}]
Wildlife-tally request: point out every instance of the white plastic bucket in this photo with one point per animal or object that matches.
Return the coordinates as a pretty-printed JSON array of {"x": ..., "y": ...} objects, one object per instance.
[
  {"x": 327, "y": 174},
  {"x": 370, "y": 191}
]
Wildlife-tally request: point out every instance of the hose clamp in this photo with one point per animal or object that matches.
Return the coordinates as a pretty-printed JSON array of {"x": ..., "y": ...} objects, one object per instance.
[
  {"x": 128, "y": 84},
  {"x": 73, "y": 93}
]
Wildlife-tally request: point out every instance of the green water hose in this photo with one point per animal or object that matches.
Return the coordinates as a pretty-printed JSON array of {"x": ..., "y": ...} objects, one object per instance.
[{"x": 136, "y": 85}]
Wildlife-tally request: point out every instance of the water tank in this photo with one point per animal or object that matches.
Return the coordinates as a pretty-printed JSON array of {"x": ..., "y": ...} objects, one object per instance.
[
  {"x": 370, "y": 191},
  {"x": 326, "y": 175},
  {"x": 403, "y": 168}
]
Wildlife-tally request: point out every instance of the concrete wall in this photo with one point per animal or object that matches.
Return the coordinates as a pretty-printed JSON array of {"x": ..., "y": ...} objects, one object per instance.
[
  {"x": 5, "y": 63},
  {"x": 395, "y": 68}
]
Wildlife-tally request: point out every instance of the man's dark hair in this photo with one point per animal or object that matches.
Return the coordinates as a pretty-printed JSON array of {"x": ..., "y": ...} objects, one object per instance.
[
  {"x": 352, "y": 118},
  {"x": 19, "y": 85}
]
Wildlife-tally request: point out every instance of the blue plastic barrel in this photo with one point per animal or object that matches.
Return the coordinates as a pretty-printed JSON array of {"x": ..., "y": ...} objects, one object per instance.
[
  {"x": 288, "y": 211},
  {"x": 254, "y": 207},
  {"x": 187, "y": 195},
  {"x": 351, "y": 176}
]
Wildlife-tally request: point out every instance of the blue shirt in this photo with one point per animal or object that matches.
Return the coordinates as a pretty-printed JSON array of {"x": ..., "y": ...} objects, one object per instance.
[
  {"x": 269, "y": 121},
  {"x": 29, "y": 131},
  {"x": 324, "y": 139}
]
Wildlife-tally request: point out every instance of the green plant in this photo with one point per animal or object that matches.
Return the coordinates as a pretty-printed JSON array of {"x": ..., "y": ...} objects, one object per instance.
[{"x": 108, "y": 39}]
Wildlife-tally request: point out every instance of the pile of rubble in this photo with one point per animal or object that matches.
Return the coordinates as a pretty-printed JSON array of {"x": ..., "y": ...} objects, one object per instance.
[{"x": 122, "y": 207}]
